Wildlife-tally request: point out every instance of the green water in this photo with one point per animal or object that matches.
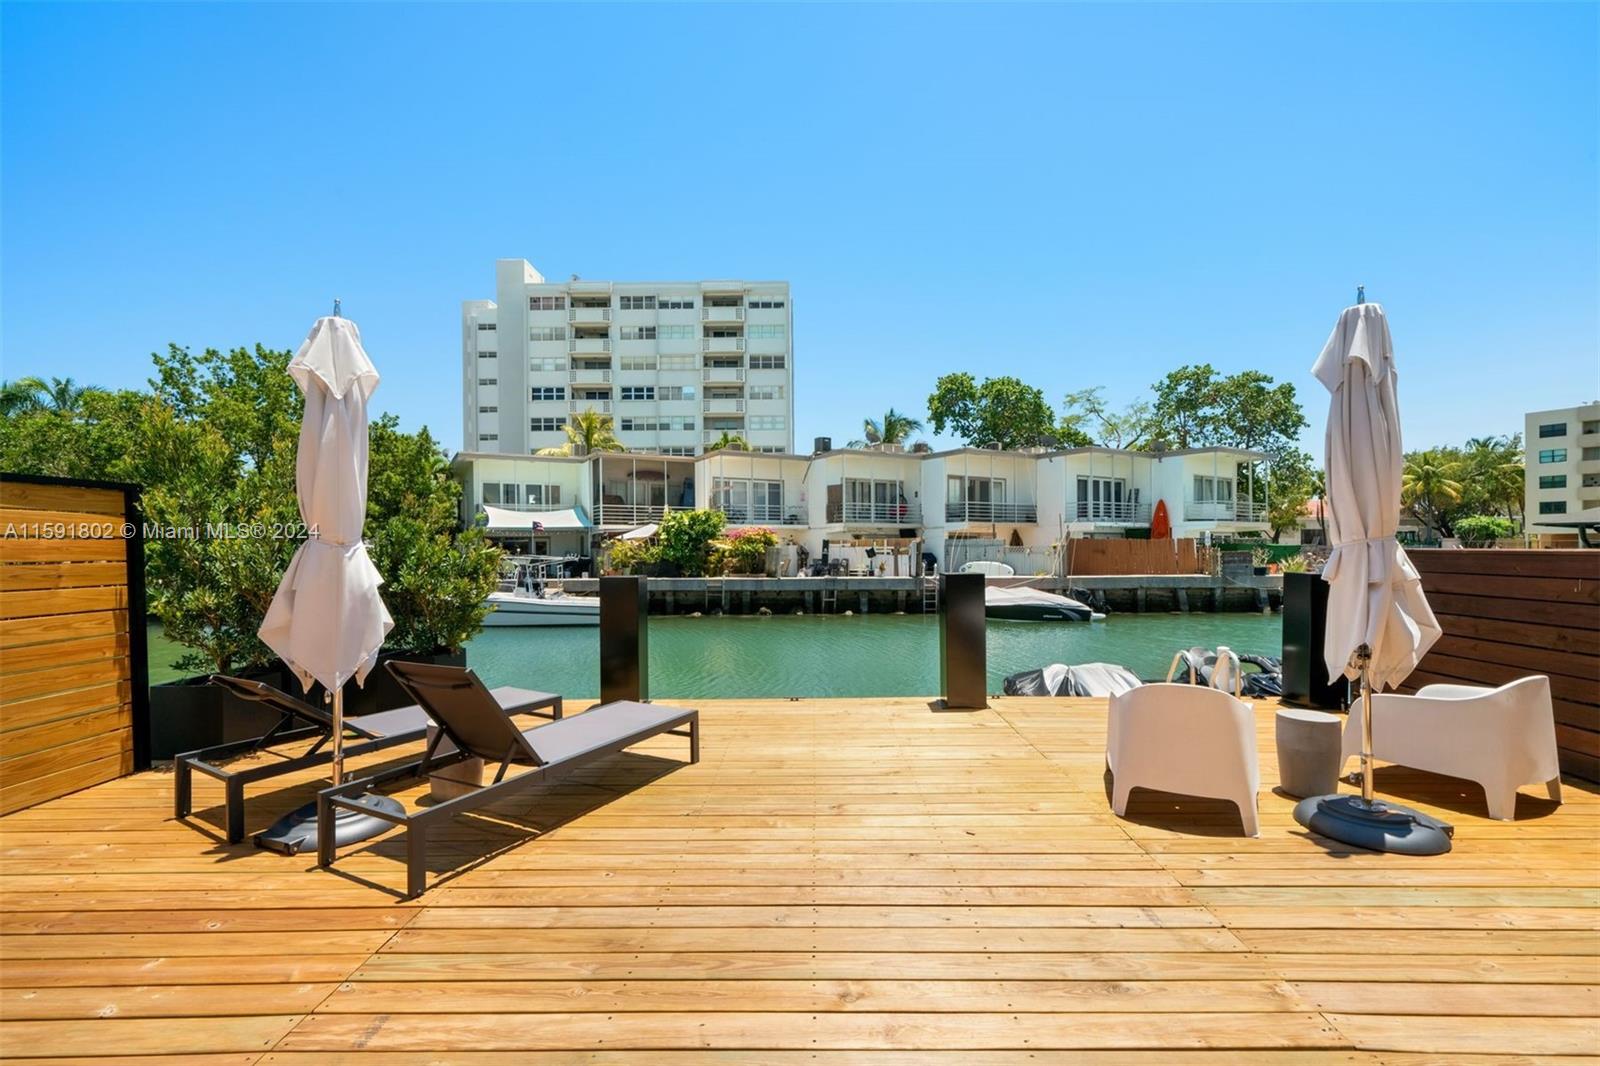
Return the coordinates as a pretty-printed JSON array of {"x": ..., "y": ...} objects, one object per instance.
[{"x": 830, "y": 655}]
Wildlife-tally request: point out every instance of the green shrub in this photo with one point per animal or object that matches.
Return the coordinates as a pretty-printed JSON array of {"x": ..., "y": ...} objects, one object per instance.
[
  {"x": 1297, "y": 563},
  {"x": 744, "y": 551},
  {"x": 685, "y": 539},
  {"x": 626, "y": 556},
  {"x": 1482, "y": 530}
]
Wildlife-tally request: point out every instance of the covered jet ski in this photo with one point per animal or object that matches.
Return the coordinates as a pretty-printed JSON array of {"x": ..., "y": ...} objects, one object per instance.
[{"x": 1085, "y": 679}]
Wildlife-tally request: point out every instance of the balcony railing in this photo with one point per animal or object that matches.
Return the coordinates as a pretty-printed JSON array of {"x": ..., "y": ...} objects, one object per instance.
[
  {"x": 1137, "y": 514},
  {"x": 981, "y": 511},
  {"x": 722, "y": 344},
  {"x": 881, "y": 514},
  {"x": 768, "y": 515},
  {"x": 589, "y": 373},
  {"x": 589, "y": 314},
  {"x": 629, "y": 514},
  {"x": 723, "y": 405},
  {"x": 722, "y": 373},
  {"x": 595, "y": 345},
  {"x": 1224, "y": 511},
  {"x": 721, "y": 314},
  {"x": 575, "y": 405}
]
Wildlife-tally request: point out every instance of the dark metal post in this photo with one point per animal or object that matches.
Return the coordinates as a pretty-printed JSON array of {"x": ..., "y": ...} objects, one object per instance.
[
  {"x": 624, "y": 639},
  {"x": 963, "y": 659}
]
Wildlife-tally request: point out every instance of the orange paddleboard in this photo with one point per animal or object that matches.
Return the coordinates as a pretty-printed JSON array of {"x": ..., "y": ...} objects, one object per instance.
[{"x": 1160, "y": 524}]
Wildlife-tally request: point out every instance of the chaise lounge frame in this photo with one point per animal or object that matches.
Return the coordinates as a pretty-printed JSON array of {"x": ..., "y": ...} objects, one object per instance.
[{"x": 416, "y": 679}]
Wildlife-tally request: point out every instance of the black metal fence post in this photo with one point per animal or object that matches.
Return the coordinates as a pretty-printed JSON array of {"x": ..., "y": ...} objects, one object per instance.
[
  {"x": 963, "y": 658},
  {"x": 624, "y": 639}
]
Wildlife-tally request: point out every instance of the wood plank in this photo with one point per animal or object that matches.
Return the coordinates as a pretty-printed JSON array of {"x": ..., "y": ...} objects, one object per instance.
[
  {"x": 19, "y": 632},
  {"x": 25, "y": 714},
  {"x": 16, "y": 576},
  {"x": 62, "y": 549},
  {"x": 1491, "y": 627},
  {"x": 1453, "y": 1034},
  {"x": 53, "y": 602},
  {"x": 62, "y": 653},
  {"x": 15, "y": 795},
  {"x": 1525, "y": 659},
  {"x": 79, "y": 675},
  {"x": 25, "y": 523},
  {"x": 22, "y": 495},
  {"x": 1538, "y": 612},
  {"x": 1574, "y": 591},
  {"x": 15, "y": 742},
  {"x": 146, "y": 1036},
  {"x": 1514, "y": 562}
]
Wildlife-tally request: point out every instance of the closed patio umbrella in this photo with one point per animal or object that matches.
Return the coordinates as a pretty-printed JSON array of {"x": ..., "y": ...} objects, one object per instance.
[
  {"x": 1379, "y": 623},
  {"x": 327, "y": 620}
]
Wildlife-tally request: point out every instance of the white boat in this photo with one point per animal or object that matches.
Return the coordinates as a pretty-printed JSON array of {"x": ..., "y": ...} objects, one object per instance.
[
  {"x": 523, "y": 607},
  {"x": 528, "y": 596},
  {"x": 1035, "y": 605}
]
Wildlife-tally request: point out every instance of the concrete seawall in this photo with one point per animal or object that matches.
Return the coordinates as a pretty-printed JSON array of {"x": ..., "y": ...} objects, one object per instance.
[{"x": 1130, "y": 593}]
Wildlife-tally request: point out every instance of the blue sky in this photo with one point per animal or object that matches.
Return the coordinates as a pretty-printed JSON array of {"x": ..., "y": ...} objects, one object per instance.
[{"x": 1077, "y": 195}]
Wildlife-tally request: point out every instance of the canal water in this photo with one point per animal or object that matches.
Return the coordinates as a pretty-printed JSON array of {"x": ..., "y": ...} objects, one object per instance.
[{"x": 830, "y": 655}]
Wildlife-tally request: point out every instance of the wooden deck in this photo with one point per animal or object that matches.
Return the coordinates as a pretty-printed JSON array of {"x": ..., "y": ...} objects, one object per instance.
[{"x": 836, "y": 881}]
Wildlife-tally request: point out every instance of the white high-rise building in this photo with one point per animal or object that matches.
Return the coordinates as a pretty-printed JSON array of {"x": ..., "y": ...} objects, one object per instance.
[
  {"x": 675, "y": 364},
  {"x": 1563, "y": 469}
]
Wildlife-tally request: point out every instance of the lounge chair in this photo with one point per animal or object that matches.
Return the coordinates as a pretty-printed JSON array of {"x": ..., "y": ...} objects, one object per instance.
[
  {"x": 299, "y": 720},
  {"x": 472, "y": 725},
  {"x": 1184, "y": 739}
]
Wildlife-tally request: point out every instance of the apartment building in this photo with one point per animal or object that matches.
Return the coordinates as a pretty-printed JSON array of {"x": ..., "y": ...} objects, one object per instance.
[
  {"x": 963, "y": 504},
  {"x": 674, "y": 364},
  {"x": 1563, "y": 469}
]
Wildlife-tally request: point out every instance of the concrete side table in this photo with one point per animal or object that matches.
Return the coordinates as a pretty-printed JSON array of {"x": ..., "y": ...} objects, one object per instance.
[
  {"x": 454, "y": 780},
  {"x": 1308, "y": 752}
]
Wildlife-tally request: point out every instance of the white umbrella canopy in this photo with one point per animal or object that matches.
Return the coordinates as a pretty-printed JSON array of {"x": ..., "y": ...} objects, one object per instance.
[
  {"x": 327, "y": 620},
  {"x": 1375, "y": 597}
]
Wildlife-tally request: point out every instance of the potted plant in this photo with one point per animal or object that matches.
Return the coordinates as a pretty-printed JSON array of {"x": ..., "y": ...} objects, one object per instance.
[{"x": 1261, "y": 560}]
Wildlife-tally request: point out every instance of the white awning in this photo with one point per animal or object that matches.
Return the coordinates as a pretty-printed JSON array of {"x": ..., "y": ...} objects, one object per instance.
[
  {"x": 642, "y": 533},
  {"x": 501, "y": 520}
]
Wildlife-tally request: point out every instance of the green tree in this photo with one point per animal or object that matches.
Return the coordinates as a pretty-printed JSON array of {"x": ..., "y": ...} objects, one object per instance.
[
  {"x": 1187, "y": 405},
  {"x": 587, "y": 432},
  {"x": 729, "y": 441},
  {"x": 65, "y": 396},
  {"x": 1429, "y": 487},
  {"x": 892, "y": 428},
  {"x": 20, "y": 396},
  {"x": 1088, "y": 419},
  {"x": 1294, "y": 482},
  {"x": 1495, "y": 477},
  {"x": 686, "y": 538},
  {"x": 1003, "y": 411}
]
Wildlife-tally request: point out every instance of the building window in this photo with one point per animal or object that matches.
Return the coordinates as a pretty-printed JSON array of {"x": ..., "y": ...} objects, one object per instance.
[
  {"x": 768, "y": 362},
  {"x": 488, "y": 381},
  {"x": 487, "y": 355},
  {"x": 769, "y": 332},
  {"x": 1552, "y": 481},
  {"x": 551, "y": 364},
  {"x": 676, "y": 449},
  {"x": 638, "y": 362},
  {"x": 638, "y": 333},
  {"x": 547, "y": 333},
  {"x": 766, "y": 392},
  {"x": 675, "y": 304},
  {"x": 491, "y": 492},
  {"x": 1552, "y": 506},
  {"x": 637, "y": 303},
  {"x": 675, "y": 392},
  {"x": 1591, "y": 427},
  {"x": 542, "y": 495},
  {"x": 656, "y": 425},
  {"x": 486, "y": 327},
  {"x": 1591, "y": 454},
  {"x": 1553, "y": 429},
  {"x": 488, "y": 410},
  {"x": 678, "y": 362},
  {"x": 547, "y": 303},
  {"x": 767, "y": 421},
  {"x": 546, "y": 425},
  {"x": 1553, "y": 455},
  {"x": 545, "y": 393},
  {"x": 675, "y": 333},
  {"x": 484, "y": 438},
  {"x": 638, "y": 392},
  {"x": 1591, "y": 481},
  {"x": 765, "y": 304},
  {"x": 1213, "y": 489}
]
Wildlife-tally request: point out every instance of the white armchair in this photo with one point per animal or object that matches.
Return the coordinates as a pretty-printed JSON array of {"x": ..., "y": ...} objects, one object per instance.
[
  {"x": 1499, "y": 737},
  {"x": 1185, "y": 739}
]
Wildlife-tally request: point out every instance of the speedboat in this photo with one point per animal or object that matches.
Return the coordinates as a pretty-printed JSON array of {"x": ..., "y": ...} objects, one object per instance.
[
  {"x": 1035, "y": 605},
  {"x": 528, "y": 596}
]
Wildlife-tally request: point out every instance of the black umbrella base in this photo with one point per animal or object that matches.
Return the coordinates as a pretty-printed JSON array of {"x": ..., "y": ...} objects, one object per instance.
[
  {"x": 1378, "y": 827},
  {"x": 297, "y": 831}
]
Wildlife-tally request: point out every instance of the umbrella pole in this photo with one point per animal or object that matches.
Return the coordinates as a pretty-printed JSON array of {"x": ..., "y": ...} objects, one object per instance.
[
  {"x": 1364, "y": 662},
  {"x": 338, "y": 735}
]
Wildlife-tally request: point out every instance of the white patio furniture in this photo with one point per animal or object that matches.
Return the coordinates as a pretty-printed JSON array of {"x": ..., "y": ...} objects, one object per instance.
[
  {"x": 1185, "y": 739},
  {"x": 1499, "y": 737}
]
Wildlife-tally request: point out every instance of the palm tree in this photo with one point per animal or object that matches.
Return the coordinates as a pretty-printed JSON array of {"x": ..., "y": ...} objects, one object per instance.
[
  {"x": 1319, "y": 491},
  {"x": 1428, "y": 486},
  {"x": 1495, "y": 465},
  {"x": 730, "y": 441},
  {"x": 20, "y": 396},
  {"x": 587, "y": 432},
  {"x": 65, "y": 396},
  {"x": 893, "y": 428}
]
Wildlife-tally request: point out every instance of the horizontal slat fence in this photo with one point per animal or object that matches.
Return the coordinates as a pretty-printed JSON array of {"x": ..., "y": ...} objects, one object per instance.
[
  {"x": 1091, "y": 556},
  {"x": 1508, "y": 614},
  {"x": 73, "y": 676}
]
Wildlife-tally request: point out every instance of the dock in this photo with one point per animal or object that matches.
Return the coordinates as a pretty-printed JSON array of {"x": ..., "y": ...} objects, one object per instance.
[{"x": 836, "y": 881}]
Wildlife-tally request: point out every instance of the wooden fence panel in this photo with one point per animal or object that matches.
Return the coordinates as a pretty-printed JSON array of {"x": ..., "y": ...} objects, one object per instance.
[
  {"x": 73, "y": 676},
  {"x": 1510, "y": 613},
  {"x": 1092, "y": 556}
]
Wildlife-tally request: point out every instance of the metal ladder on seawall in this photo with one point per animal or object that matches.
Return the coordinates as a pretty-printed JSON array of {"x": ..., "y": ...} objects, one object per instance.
[
  {"x": 830, "y": 597},
  {"x": 930, "y": 595}
]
